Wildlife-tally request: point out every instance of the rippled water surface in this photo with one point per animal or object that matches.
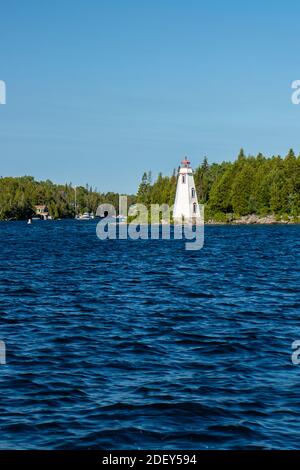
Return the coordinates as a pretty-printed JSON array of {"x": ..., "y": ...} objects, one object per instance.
[{"x": 142, "y": 344}]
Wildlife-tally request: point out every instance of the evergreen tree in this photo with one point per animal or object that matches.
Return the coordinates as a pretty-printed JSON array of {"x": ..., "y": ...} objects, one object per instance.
[{"x": 249, "y": 185}]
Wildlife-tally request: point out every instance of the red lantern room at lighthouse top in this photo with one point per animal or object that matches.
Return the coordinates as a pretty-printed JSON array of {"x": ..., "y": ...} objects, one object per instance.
[{"x": 185, "y": 163}]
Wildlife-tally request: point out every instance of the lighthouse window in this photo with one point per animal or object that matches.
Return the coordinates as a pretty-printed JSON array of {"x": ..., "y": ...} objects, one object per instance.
[
  {"x": 194, "y": 208},
  {"x": 193, "y": 192},
  {"x": 183, "y": 178}
]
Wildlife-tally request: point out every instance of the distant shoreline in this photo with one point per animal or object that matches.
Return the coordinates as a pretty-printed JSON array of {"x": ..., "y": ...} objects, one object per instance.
[
  {"x": 254, "y": 219},
  {"x": 244, "y": 220}
]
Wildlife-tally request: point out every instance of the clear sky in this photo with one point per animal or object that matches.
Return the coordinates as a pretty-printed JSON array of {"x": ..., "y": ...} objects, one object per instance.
[{"x": 100, "y": 90}]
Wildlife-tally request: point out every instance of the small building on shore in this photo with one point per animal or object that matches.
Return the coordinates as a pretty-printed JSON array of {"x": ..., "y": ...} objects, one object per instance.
[{"x": 42, "y": 211}]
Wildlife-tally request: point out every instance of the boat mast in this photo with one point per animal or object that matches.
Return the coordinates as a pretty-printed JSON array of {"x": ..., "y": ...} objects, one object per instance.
[{"x": 75, "y": 205}]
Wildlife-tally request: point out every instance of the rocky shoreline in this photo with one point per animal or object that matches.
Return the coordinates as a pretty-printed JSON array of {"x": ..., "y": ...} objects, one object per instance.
[{"x": 255, "y": 219}]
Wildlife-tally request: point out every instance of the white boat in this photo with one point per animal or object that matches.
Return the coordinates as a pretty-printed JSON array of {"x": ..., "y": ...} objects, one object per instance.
[{"x": 85, "y": 216}]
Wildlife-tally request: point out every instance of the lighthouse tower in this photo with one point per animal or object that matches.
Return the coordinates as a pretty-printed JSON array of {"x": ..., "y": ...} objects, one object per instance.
[{"x": 186, "y": 202}]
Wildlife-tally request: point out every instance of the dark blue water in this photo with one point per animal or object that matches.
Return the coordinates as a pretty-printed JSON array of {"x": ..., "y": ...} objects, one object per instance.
[{"x": 142, "y": 344}]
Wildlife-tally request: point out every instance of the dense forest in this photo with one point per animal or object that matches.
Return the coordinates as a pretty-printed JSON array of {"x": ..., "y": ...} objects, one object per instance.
[
  {"x": 249, "y": 185},
  {"x": 18, "y": 196}
]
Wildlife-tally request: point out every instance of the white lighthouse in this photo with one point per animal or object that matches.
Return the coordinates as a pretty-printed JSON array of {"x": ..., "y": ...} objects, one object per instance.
[{"x": 186, "y": 203}]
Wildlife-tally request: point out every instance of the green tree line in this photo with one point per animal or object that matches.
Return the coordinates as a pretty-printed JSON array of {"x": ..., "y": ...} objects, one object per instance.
[
  {"x": 249, "y": 185},
  {"x": 19, "y": 196}
]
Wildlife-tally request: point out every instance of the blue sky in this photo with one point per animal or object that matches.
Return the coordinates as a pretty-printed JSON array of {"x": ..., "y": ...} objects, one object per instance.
[{"x": 99, "y": 91}]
